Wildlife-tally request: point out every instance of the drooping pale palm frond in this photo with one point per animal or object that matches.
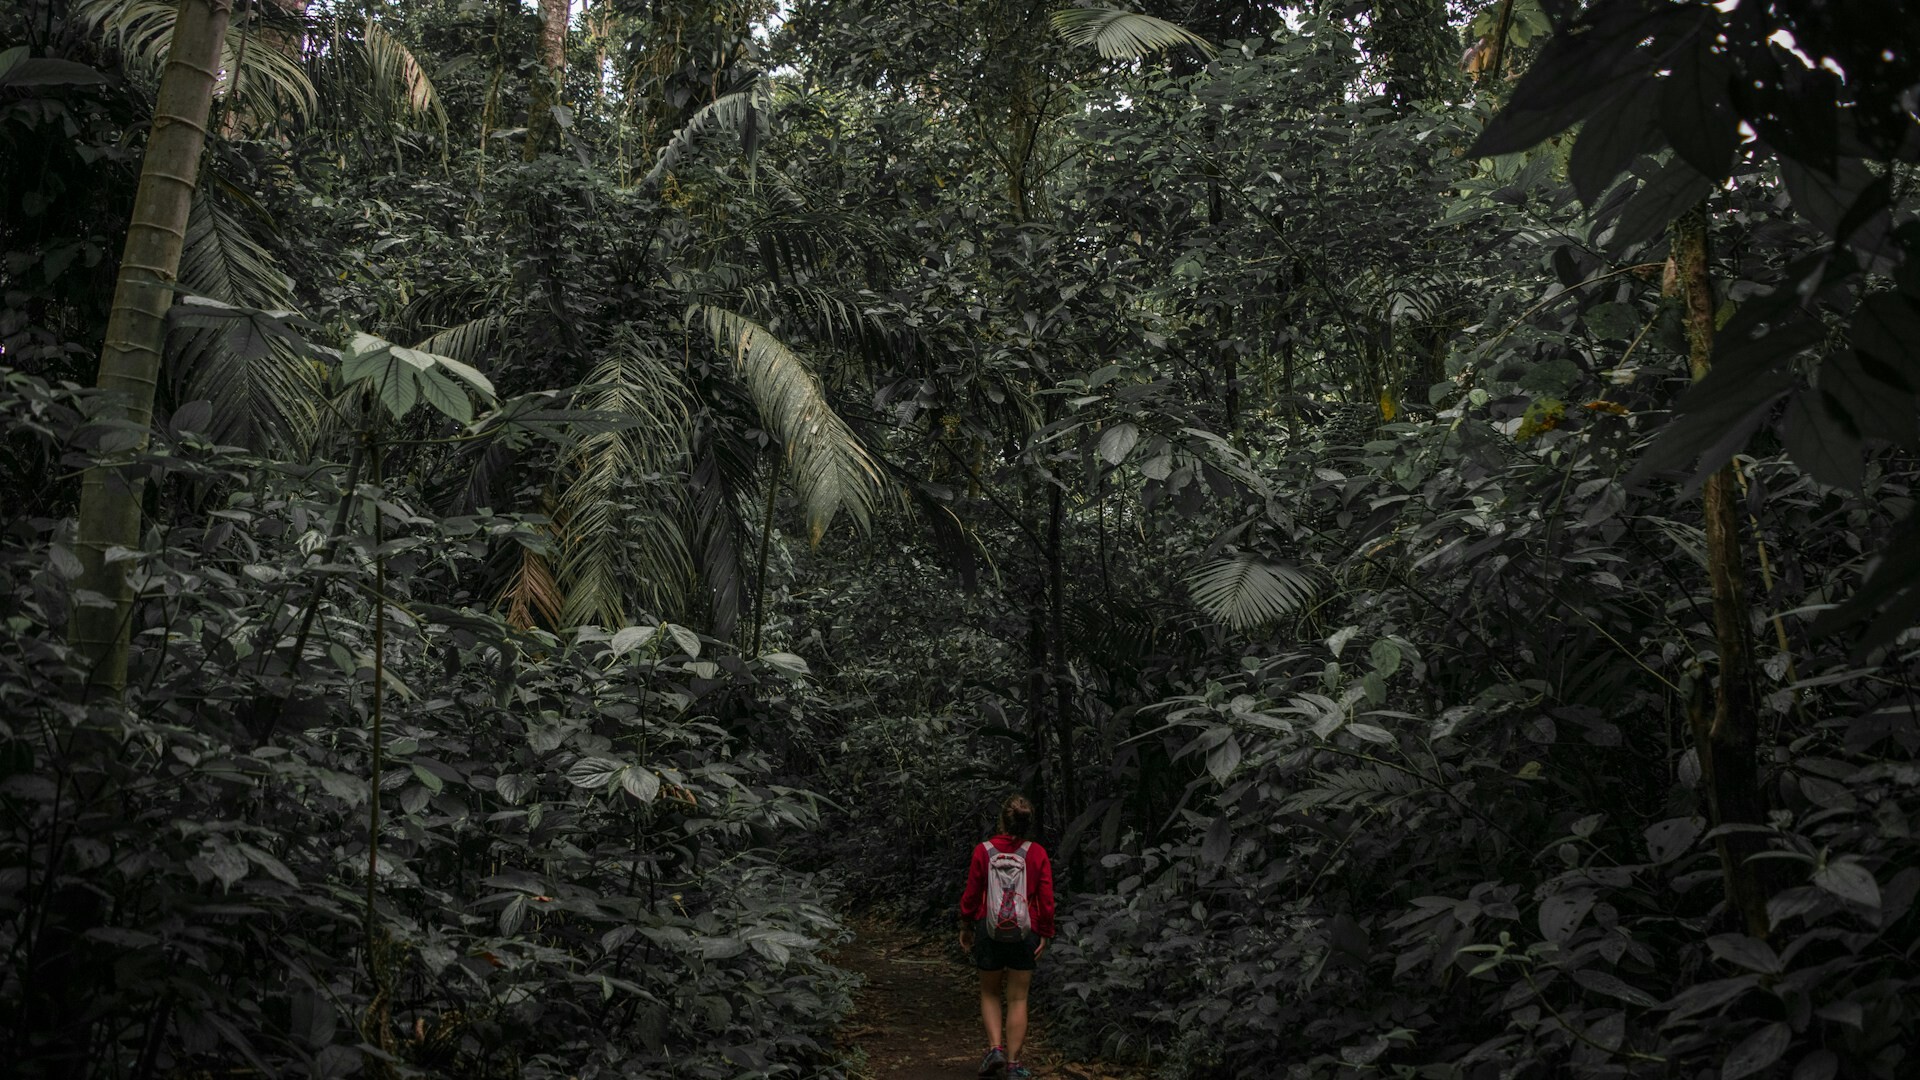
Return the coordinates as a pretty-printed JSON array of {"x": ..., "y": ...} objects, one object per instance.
[
  {"x": 261, "y": 74},
  {"x": 469, "y": 342},
  {"x": 1124, "y": 35},
  {"x": 619, "y": 513},
  {"x": 829, "y": 469},
  {"x": 263, "y": 392},
  {"x": 743, "y": 111},
  {"x": 827, "y": 317},
  {"x": 397, "y": 79},
  {"x": 1245, "y": 591}
]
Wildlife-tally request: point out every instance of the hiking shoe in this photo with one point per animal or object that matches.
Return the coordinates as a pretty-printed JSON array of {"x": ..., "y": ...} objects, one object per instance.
[
  {"x": 1017, "y": 1071},
  {"x": 994, "y": 1065}
]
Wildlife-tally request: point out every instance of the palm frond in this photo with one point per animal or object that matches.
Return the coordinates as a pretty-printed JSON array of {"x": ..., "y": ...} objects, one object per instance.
[
  {"x": 828, "y": 467},
  {"x": 743, "y": 111},
  {"x": 469, "y": 342},
  {"x": 620, "y": 507},
  {"x": 831, "y": 318},
  {"x": 1124, "y": 35},
  {"x": 533, "y": 597},
  {"x": 263, "y": 392},
  {"x": 717, "y": 528},
  {"x": 261, "y": 80},
  {"x": 1245, "y": 591},
  {"x": 398, "y": 79}
]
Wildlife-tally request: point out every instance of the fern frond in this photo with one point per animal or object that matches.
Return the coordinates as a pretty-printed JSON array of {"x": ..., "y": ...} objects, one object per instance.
[
  {"x": 1124, "y": 35},
  {"x": 1245, "y": 591},
  {"x": 742, "y": 111},
  {"x": 828, "y": 467}
]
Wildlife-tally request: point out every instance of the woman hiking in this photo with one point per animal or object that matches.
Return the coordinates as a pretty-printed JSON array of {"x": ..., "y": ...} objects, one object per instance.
[{"x": 1006, "y": 921}]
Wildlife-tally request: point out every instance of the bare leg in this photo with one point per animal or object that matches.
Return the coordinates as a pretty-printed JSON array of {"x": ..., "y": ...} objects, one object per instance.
[
  {"x": 990, "y": 982},
  {"x": 1017, "y": 983}
]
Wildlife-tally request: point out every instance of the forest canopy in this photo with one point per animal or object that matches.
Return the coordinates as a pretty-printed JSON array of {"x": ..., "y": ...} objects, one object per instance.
[{"x": 520, "y": 518}]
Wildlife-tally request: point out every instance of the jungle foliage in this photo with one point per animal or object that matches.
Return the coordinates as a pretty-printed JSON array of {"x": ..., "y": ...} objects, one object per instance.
[{"x": 1421, "y": 495}]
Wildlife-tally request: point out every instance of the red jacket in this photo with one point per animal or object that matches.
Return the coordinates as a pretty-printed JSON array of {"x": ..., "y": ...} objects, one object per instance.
[{"x": 973, "y": 902}]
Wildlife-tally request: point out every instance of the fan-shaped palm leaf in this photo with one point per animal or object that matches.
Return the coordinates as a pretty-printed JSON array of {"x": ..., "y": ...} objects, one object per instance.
[
  {"x": 743, "y": 111},
  {"x": 619, "y": 511},
  {"x": 261, "y": 79},
  {"x": 262, "y": 391},
  {"x": 1124, "y": 35},
  {"x": 829, "y": 470},
  {"x": 1245, "y": 591}
]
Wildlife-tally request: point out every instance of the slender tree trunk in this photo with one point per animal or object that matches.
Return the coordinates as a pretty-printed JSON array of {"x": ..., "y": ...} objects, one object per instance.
[
  {"x": 548, "y": 86},
  {"x": 137, "y": 330},
  {"x": 1727, "y": 743},
  {"x": 1062, "y": 686},
  {"x": 760, "y": 564}
]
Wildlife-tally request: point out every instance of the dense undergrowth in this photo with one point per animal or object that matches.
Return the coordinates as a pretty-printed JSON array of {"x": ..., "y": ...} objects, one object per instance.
[{"x": 574, "y": 871}]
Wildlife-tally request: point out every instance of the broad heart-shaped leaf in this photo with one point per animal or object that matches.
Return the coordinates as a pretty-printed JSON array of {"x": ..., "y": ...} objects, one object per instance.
[
  {"x": 1886, "y": 331},
  {"x": 1695, "y": 111},
  {"x": 1846, "y": 878},
  {"x": 1872, "y": 406},
  {"x": 1889, "y": 599},
  {"x": 1825, "y": 198},
  {"x": 1747, "y": 952},
  {"x": 1670, "y": 189},
  {"x": 1757, "y": 1051},
  {"x": 787, "y": 663},
  {"x": 593, "y": 772},
  {"x": 1667, "y": 840},
  {"x": 1218, "y": 843},
  {"x": 688, "y": 641},
  {"x": 629, "y": 638},
  {"x": 1561, "y": 915},
  {"x": 1601, "y": 982},
  {"x": 1611, "y": 140},
  {"x": 1822, "y": 443},
  {"x": 1117, "y": 442},
  {"x": 1579, "y": 70},
  {"x": 640, "y": 782},
  {"x": 1223, "y": 759},
  {"x": 513, "y": 787}
]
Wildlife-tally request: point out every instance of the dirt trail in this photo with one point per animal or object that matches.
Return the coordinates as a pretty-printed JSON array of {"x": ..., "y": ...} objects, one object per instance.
[{"x": 918, "y": 1016}]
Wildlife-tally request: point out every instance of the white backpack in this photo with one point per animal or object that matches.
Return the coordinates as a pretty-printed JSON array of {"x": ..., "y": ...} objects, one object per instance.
[{"x": 1007, "y": 917}]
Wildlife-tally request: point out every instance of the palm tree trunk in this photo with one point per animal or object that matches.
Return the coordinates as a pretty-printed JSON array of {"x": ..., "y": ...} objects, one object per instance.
[
  {"x": 1728, "y": 742},
  {"x": 137, "y": 329}
]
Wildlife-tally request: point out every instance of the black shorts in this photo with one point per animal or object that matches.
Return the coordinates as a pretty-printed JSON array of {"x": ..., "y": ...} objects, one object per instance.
[{"x": 991, "y": 955}]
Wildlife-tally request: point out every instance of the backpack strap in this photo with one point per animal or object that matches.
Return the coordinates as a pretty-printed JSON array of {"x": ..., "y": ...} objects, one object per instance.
[{"x": 1024, "y": 845}]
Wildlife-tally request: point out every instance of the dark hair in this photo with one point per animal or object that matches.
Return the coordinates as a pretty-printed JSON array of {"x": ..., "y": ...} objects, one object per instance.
[{"x": 1016, "y": 817}]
